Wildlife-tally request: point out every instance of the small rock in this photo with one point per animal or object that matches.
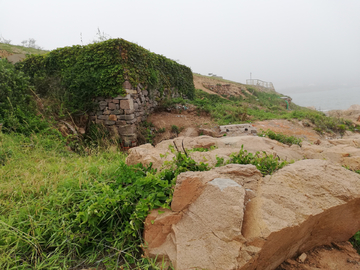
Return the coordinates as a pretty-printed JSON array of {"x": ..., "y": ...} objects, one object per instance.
[{"x": 302, "y": 257}]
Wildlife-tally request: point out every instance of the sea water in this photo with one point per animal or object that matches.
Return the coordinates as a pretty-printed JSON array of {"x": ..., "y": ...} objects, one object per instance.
[{"x": 336, "y": 99}]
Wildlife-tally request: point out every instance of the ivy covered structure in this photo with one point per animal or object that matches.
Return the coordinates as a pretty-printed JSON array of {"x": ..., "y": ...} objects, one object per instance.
[{"x": 116, "y": 82}]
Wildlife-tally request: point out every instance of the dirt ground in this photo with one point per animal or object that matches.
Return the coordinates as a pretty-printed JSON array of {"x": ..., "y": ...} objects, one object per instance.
[
  {"x": 191, "y": 125},
  {"x": 338, "y": 256}
]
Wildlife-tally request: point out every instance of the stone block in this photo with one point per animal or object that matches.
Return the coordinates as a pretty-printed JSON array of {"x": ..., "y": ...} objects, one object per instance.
[
  {"x": 108, "y": 100},
  {"x": 109, "y": 123},
  {"x": 112, "y": 106},
  {"x": 127, "y": 129},
  {"x": 126, "y": 117},
  {"x": 127, "y": 85},
  {"x": 103, "y": 103},
  {"x": 121, "y": 97},
  {"x": 145, "y": 92},
  {"x": 117, "y": 112},
  {"x": 106, "y": 112},
  {"x": 120, "y": 123},
  {"x": 116, "y": 101},
  {"x": 131, "y": 121},
  {"x": 129, "y": 111},
  {"x": 127, "y": 104},
  {"x": 103, "y": 117},
  {"x": 136, "y": 106},
  {"x": 112, "y": 117}
]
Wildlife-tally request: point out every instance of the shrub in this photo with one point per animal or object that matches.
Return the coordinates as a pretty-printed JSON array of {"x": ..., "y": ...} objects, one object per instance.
[
  {"x": 17, "y": 104},
  {"x": 289, "y": 140},
  {"x": 266, "y": 164}
]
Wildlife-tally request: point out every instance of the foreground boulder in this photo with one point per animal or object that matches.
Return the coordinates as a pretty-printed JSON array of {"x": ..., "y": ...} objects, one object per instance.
[{"x": 233, "y": 218}]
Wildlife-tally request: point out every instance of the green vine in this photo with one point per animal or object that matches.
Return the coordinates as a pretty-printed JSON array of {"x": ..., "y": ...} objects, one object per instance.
[{"x": 100, "y": 69}]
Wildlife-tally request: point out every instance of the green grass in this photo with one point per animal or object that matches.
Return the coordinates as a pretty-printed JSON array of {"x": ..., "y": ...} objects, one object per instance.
[
  {"x": 260, "y": 106},
  {"x": 44, "y": 189}
]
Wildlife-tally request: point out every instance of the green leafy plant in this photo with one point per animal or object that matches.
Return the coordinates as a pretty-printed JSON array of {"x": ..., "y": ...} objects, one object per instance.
[
  {"x": 289, "y": 140},
  {"x": 18, "y": 111},
  {"x": 266, "y": 164},
  {"x": 100, "y": 69}
]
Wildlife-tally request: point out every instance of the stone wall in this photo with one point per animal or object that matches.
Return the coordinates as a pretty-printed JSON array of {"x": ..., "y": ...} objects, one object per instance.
[{"x": 121, "y": 114}]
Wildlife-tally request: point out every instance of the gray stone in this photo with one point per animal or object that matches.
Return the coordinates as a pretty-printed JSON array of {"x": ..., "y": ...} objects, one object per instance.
[
  {"x": 112, "y": 106},
  {"x": 103, "y": 117},
  {"x": 120, "y": 123},
  {"x": 127, "y": 104},
  {"x": 136, "y": 106},
  {"x": 117, "y": 112},
  {"x": 106, "y": 112},
  {"x": 131, "y": 121},
  {"x": 117, "y": 106},
  {"x": 127, "y": 85},
  {"x": 126, "y": 117},
  {"x": 129, "y": 111},
  {"x": 103, "y": 103},
  {"x": 127, "y": 129},
  {"x": 109, "y": 123},
  {"x": 102, "y": 107},
  {"x": 145, "y": 92}
]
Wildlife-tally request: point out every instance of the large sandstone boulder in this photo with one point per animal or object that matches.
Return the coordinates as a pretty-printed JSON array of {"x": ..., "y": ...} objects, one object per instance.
[{"x": 233, "y": 218}]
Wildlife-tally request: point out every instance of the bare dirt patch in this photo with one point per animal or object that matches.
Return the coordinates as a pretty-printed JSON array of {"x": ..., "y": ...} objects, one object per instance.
[
  {"x": 189, "y": 123},
  {"x": 334, "y": 257}
]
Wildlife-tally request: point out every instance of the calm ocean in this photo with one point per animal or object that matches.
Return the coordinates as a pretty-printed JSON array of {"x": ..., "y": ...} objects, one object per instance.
[{"x": 337, "y": 99}]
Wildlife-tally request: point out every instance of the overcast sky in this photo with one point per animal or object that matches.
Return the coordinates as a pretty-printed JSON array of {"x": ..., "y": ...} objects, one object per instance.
[{"x": 292, "y": 43}]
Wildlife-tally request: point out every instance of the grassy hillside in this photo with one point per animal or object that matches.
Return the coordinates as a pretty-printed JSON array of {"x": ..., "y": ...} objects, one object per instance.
[
  {"x": 70, "y": 201},
  {"x": 14, "y": 49}
]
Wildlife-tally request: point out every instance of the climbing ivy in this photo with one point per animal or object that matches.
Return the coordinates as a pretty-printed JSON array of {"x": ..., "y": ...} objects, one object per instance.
[{"x": 100, "y": 69}]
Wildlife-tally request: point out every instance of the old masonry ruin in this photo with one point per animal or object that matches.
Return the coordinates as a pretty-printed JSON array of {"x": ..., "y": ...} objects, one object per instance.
[{"x": 121, "y": 114}]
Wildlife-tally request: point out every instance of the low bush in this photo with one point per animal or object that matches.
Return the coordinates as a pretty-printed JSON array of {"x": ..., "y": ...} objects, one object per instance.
[
  {"x": 266, "y": 164},
  {"x": 18, "y": 111},
  {"x": 289, "y": 140}
]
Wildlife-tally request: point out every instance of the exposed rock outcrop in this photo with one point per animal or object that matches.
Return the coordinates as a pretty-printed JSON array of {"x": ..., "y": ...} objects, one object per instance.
[
  {"x": 345, "y": 152},
  {"x": 233, "y": 218}
]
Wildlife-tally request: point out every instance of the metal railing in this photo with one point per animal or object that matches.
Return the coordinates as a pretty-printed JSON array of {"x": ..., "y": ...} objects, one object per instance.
[{"x": 261, "y": 83}]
